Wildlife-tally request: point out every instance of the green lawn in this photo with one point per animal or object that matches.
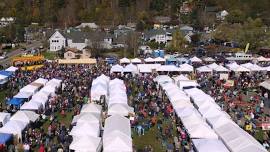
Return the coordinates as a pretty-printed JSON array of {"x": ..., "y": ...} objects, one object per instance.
[{"x": 49, "y": 55}]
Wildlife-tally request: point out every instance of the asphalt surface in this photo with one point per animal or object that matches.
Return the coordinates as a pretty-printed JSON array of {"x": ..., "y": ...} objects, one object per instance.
[{"x": 7, "y": 61}]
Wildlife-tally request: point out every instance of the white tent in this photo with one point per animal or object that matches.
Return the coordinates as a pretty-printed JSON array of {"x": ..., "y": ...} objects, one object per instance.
[
  {"x": 120, "y": 109},
  {"x": 31, "y": 106},
  {"x": 159, "y": 59},
  {"x": 131, "y": 68},
  {"x": 124, "y": 61},
  {"x": 220, "y": 68},
  {"x": 201, "y": 131},
  {"x": 232, "y": 66},
  {"x": 25, "y": 116},
  {"x": 238, "y": 140},
  {"x": 136, "y": 61},
  {"x": 4, "y": 117},
  {"x": 209, "y": 59},
  {"x": 3, "y": 79},
  {"x": 118, "y": 124},
  {"x": 204, "y": 69},
  {"x": 253, "y": 67},
  {"x": 147, "y": 68},
  {"x": 213, "y": 66},
  {"x": 209, "y": 145},
  {"x": 179, "y": 78},
  {"x": 195, "y": 59},
  {"x": 241, "y": 69},
  {"x": 41, "y": 81},
  {"x": 98, "y": 90},
  {"x": 104, "y": 77},
  {"x": 91, "y": 108},
  {"x": 187, "y": 83},
  {"x": 48, "y": 90},
  {"x": 12, "y": 69},
  {"x": 86, "y": 129},
  {"x": 168, "y": 68},
  {"x": 220, "y": 120},
  {"x": 163, "y": 79},
  {"x": 29, "y": 89},
  {"x": 117, "y": 68},
  {"x": 211, "y": 111},
  {"x": 186, "y": 68},
  {"x": 24, "y": 95},
  {"x": 262, "y": 59},
  {"x": 149, "y": 59},
  {"x": 118, "y": 99},
  {"x": 117, "y": 143},
  {"x": 54, "y": 83},
  {"x": 86, "y": 144},
  {"x": 86, "y": 118},
  {"x": 184, "y": 112},
  {"x": 13, "y": 127},
  {"x": 116, "y": 81}
]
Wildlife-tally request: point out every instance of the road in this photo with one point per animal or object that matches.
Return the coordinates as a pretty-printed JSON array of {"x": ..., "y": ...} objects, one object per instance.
[{"x": 11, "y": 54}]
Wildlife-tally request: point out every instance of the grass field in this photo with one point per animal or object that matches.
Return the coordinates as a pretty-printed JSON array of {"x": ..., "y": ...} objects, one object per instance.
[{"x": 49, "y": 55}]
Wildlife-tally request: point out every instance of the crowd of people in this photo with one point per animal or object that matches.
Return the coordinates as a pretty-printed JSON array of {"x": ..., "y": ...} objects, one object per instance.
[{"x": 244, "y": 101}]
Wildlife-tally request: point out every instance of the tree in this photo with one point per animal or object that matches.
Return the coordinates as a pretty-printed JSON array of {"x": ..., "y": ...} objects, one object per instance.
[
  {"x": 236, "y": 16},
  {"x": 157, "y": 5},
  {"x": 178, "y": 42}
]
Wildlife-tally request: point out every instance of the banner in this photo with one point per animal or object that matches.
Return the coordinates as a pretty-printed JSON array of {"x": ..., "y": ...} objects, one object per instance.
[{"x": 223, "y": 76}]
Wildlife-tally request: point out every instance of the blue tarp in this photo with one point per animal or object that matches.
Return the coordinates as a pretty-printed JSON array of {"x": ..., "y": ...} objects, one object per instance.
[
  {"x": 4, "y": 138},
  {"x": 15, "y": 101},
  {"x": 5, "y": 73}
]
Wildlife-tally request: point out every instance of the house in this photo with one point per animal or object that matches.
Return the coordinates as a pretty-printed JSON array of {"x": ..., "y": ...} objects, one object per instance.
[
  {"x": 221, "y": 15},
  {"x": 93, "y": 26},
  {"x": 72, "y": 53},
  {"x": 186, "y": 29},
  {"x": 158, "y": 35},
  {"x": 57, "y": 41},
  {"x": 4, "y": 21}
]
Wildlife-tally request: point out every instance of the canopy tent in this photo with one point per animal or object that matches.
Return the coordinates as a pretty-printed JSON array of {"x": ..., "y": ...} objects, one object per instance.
[
  {"x": 195, "y": 59},
  {"x": 118, "y": 99},
  {"x": 4, "y": 117},
  {"x": 124, "y": 61},
  {"x": 31, "y": 106},
  {"x": 149, "y": 59},
  {"x": 117, "y": 143},
  {"x": 86, "y": 118},
  {"x": 131, "y": 68},
  {"x": 168, "y": 68},
  {"x": 117, "y": 124},
  {"x": 120, "y": 109},
  {"x": 204, "y": 69},
  {"x": 211, "y": 111},
  {"x": 209, "y": 59},
  {"x": 136, "y": 61},
  {"x": 201, "y": 131},
  {"x": 253, "y": 67},
  {"x": 163, "y": 79},
  {"x": 184, "y": 112},
  {"x": 40, "y": 97},
  {"x": 98, "y": 90},
  {"x": 23, "y": 95},
  {"x": 41, "y": 81},
  {"x": 159, "y": 59},
  {"x": 116, "y": 81},
  {"x": 12, "y": 69},
  {"x": 267, "y": 68},
  {"x": 54, "y": 83},
  {"x": 5, "y": 73},
  {"x": 3, "y": 79},
  {"x": 232, "y": 66},
  {"x": 104, "y": 77},
  {"x": 13, "y": 127},
  {"x": 25, "y": 116},
  {"x": 15, "y": 101},
  {"x": 91, "y": 108},
  {"x": 219, "y": 120},
  {"x": 48, "y": 90},
  {"x": 147, "y": 68},
  {"x": 241, "y": 69},
  {"x": 265, "y": 84},
  {"x": 86, "y": 144},
  {"x": 86, "y": 129},
  {"x": 186, "y": 68},
  {"x": 187, "y": 83},
  {"x": 221, "y": 68},
  {"x": 212, "y": 66},
  {"x": 4, "y": 138},
  {"x": 209, "y": 145},
  {"x": 180, "y": 78},
  {"x": 117, "y": 68},
  {"x": 238, "y": 140},
  {"x": 262, "y": 59},
  {"x": 29, "y": 89}
]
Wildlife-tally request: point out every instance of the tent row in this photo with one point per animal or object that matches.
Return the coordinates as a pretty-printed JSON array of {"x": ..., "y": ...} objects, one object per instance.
[
  {"x": 118, "y": 100},
  {"x": 247, "y": 67},
  {"x": 235, "y": 138},
  {"x": 117, "y": 134},
  {"x": 130, "y": 68},
  {"x": 100, "y": 87},
  {"x": 39, "y": 100},
  {"x": 127, "y": 61},
  {"x": 191, "y": 119},
  {"x": 86, "y": 129}
]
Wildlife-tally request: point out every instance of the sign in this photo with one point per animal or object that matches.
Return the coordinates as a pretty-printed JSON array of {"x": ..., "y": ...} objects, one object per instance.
[
  {"x": 229, "y": 83},
  {"x": 265, "y": 126},
  {"x": 223, "y": 76}
]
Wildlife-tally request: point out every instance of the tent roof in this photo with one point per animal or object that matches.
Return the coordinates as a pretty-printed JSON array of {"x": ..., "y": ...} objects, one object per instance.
[
  {"x": 186, "y": 68},
  {"x": 241, "y": 69},
  {"x": 136, "y": 60},
  {"x": 117, "y": 143},
  {"x": 209, "y": 59},
  {"x": 5, "y": 73},
  {"x": 120, "y": 109},
  {"x": 204, "y": 69},
  {"x": 91, "y": 108},
  {"x": 117, "y": 123},
  {"x": 195, "y": 59},
  {"x": 163, "y": 79},
  {"x": 86, "y": 118},
  {"x": 16, "y": 101},
  {"x": 12, "y": 69},
  {"x": 4, "y": 138},
  {"x": 212, "y": 66},
  {"x": 149, "y": 59},
  {"x": 262, "y": 59},
  {"x": 180, "y": 78},
  {"x": 13, "y": 127},
  {"x": 86, "y": 129},
  {"x": 131, "y": 68},
  {"x": 168, "y": 68},
  {"x": 41, "y": 81},
  {"x": 31, "y": 106},
  {"x": 124, "y": 60},
  {"x": 85, "y": 144},
  {"x": 159, "y": 59},
  {"x": 117, "y": 68},
  {"x": 209, "y": 145},
  {"x": 221, "y": 68},
  {"x": 25, "y": 116}
]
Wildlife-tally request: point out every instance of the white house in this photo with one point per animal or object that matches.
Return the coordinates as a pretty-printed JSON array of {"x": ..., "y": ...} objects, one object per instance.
[
  {"x": 57, "y": 41},
  {"x": 158, "y": 35},
  {"x": 4, "y": 21},
  {"x": 222, "y": 15}
]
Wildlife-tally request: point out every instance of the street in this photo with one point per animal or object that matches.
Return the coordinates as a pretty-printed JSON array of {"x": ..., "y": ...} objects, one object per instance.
[{"x": 11, "y": 54}]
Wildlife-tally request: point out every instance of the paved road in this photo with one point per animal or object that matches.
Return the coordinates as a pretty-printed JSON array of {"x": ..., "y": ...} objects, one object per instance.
[{"x": 19, "y": 51}]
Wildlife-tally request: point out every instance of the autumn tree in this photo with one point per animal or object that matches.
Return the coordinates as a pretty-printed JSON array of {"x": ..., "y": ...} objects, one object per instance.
[{"x": 178, "y": 42}]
